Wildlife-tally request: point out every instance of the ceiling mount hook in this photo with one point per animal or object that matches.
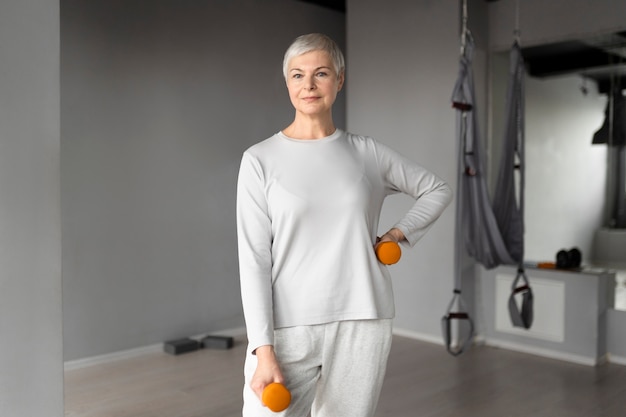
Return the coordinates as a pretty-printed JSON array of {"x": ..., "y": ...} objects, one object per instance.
[
  {"x": 464, "y": 30},
  {"x": 516, "y": 31}
]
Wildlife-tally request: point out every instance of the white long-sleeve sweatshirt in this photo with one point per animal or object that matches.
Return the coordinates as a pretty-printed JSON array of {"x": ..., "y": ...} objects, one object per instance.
[{"x": 307, "y": 220}]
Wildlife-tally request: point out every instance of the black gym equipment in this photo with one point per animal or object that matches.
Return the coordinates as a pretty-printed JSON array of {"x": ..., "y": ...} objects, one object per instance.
[
  {"x": 217, "y": 342},
  {"x": 186, "y": 345},
  {"x": 568, "y": 259},
  {"x": 180, "y": 346}
]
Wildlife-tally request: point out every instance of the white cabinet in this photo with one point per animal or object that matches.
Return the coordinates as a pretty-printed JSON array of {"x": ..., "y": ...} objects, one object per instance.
[{"x": 570, "y": 309}]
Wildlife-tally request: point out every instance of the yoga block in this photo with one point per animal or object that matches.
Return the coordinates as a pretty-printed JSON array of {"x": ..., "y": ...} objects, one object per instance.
[
  {"x": 180, "y": 346},
  {"x": 217, "y": 342}
]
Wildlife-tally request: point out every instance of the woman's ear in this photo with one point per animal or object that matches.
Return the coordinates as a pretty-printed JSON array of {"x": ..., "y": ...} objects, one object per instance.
[{"x": 341, "y": 78}]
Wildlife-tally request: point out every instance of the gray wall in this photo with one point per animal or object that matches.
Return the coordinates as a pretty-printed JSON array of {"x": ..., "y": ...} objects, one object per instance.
[
  {"x": 30, "y": 300},
  {"x": 153, "y": 98},
  {"x": 31, "y": 372},
  {"x": 159, "y": 100},
  {"x": 403, "y": 63}
]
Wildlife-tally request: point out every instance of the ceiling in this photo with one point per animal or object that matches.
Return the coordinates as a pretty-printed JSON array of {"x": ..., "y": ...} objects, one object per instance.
[
  {"x": 599, "y": 58},
  {"x": 339, "y": 5}
]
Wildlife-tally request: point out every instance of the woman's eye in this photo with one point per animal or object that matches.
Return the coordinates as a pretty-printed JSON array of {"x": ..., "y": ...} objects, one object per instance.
[
  {"x": 297, "y": 76},
  {"x": 322, "y": 74}
]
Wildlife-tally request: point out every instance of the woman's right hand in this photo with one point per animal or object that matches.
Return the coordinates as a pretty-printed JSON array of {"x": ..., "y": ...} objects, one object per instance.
[{"x": 267, "y": 370}]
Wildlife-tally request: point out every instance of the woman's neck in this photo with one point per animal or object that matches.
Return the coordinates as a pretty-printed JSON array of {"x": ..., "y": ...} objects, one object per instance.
[{"x": 310, "y": 128}]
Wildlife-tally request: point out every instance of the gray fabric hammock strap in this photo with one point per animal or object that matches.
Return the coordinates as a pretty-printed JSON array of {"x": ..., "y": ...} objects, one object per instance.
[
  {"x": 508, "y": 207},
  {"x": 508, "y": 198},
  {"x": 480, "y": 234},
  {"x": 521, "y": 315},
  {"x": 459, "y": 319},
  {"x": 462, "y": 320},
  {"x": 479, "y": 223}
]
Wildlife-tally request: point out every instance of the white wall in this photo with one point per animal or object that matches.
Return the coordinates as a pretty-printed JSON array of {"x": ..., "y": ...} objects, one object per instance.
[
  {"x": 31, "y": 373},
  {"x": 560, "y": 123},
  {"x": 566, "y": 174},
  {"x": 616, "y": 343},
  {"x": 159, "y": 100}
]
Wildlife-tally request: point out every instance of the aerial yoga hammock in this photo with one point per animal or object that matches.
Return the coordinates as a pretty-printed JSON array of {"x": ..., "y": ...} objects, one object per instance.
[
  {"x": 508, "y": 208},
  {"x": 491, "y": 234}
]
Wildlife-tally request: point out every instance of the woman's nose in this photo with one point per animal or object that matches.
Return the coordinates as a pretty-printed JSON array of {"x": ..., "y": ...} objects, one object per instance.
[{"x": 310, "y": 83}]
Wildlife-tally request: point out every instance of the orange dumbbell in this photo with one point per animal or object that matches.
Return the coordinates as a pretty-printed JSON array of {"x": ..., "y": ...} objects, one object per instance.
[
  {"x": 388, "y": 252},
  {"x": 276, "y": 397}
]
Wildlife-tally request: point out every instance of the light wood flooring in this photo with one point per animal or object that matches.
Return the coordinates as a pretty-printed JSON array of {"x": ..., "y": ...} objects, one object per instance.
[{"x": 422, "y": 381}]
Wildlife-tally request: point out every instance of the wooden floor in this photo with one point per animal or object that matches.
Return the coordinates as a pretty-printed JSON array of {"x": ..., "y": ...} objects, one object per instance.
[{"x": 422, "y": 381}]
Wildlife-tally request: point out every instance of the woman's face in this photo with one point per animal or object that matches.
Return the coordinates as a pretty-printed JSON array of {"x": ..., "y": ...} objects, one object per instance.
[{"x": 313, "y": 83}]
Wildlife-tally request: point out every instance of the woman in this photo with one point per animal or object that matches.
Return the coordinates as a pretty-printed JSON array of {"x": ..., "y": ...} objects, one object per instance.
[{"x": 318, "y": 305}]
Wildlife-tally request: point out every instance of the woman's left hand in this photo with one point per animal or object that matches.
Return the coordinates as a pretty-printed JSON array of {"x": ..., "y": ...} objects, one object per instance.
[{"x": 393, "y": 235}]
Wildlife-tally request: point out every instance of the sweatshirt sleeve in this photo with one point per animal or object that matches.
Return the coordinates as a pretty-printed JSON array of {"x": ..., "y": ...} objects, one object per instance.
[
  {"x": 254, "y": 238},
  {"x": 432, "y": 195}
]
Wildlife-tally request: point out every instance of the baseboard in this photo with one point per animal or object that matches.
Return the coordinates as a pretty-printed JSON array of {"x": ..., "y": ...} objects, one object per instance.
[
  {"x": 418, "y": 336},
  {"x": 235, "y": 332},
  {"x": 135, "y": 352},
  {"x": 618, "y": 360},
  {"x": 112, "y": 357},
  {"x": 547, "y": 353}
]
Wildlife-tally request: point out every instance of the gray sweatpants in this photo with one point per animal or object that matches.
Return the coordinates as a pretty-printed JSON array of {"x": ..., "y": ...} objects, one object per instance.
[{"x": 332, "y": 370}]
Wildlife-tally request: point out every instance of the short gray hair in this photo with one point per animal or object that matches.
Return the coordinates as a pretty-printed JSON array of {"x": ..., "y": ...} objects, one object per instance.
[{"x": 314, "y": 42}]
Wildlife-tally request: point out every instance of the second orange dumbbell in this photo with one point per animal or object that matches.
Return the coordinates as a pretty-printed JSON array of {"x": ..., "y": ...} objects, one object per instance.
[
  {"x": 276, "y": 397},
  {"x": 388, "y": 252}
]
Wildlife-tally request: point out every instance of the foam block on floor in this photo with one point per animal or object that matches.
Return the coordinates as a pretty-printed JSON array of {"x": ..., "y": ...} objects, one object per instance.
[
  {"x": 180, "y": 346},
  {"x": 217, "y": 342}
]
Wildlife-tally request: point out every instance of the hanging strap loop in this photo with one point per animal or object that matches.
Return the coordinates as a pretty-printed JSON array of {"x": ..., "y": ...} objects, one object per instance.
[
  {"x": 461, "y": 317},
  {"x": 521, "y": 317},
  {"x": 463, "y": 103}
]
